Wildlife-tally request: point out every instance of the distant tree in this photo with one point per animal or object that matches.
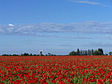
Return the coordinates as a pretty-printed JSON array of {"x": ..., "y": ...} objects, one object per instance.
[
  {"x": 81, "y": 52},
  {"x": 100, "y": 50},
  {"x": 35, "y": 55},
  {"x": 110, "y": 53},
  {"x": 49, "y": 54},
  {"x": 106, "y": 54},
  {"x": 89, "y": 52},
  {"x": 25, "y": 54},
  {"x": 30, "y": 54},
  {"x": 15, "y": 55},
  {"x": 73, "y": 53},
  {"x": 96, "y": 52},
  {"x": 78, "y": 51},
  {"x": 5, "y": 55},
  {"x": 86, "y": 52},
  {"x": 92, "y": 51}
]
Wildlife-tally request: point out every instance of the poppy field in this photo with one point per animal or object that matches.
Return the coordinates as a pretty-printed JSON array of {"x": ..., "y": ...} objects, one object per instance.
[{"x": 55, "y": 69}]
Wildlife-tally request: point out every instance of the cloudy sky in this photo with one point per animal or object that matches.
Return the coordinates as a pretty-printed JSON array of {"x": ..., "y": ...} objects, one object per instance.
[{"x": 56, "y": 26}]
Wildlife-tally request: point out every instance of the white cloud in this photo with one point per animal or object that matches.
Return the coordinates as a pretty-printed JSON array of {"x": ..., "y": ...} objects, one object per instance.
[
  {"x": 33, "y": 29},
  {"x": 88, "y": 2},
  {"x": 11, "y": 25}
]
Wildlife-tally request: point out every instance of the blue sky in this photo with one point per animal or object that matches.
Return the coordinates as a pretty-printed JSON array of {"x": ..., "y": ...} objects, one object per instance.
[{"x": 56, "y": 26}]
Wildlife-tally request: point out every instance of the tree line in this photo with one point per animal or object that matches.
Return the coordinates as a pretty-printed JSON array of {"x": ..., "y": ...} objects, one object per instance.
[
  {"x": 79, "y": 52},
  {"x": 28, "y": 54},
  {"x": 88, "y": 52}
]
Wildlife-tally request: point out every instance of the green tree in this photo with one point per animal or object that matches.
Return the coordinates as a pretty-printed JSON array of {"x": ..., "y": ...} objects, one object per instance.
[
  {"x": 73, "y": 53},
  {"x": 110, "y": 53},
  {"x": 25, "y": 54},
  {"x": 92, "y": 51},
  {"x": 78, "y": 51},
  {"x": 15, "y": 55},
  {"x": 100, "y": 50},
  {"x": 96, "y": 53}
]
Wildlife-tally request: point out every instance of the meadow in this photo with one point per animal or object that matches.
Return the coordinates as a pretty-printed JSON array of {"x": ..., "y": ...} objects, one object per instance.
[{"x": 55, "y": 69}]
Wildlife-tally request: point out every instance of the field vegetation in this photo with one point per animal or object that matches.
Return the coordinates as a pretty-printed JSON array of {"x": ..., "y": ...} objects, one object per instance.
[{"x": 55, "y": 69}]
